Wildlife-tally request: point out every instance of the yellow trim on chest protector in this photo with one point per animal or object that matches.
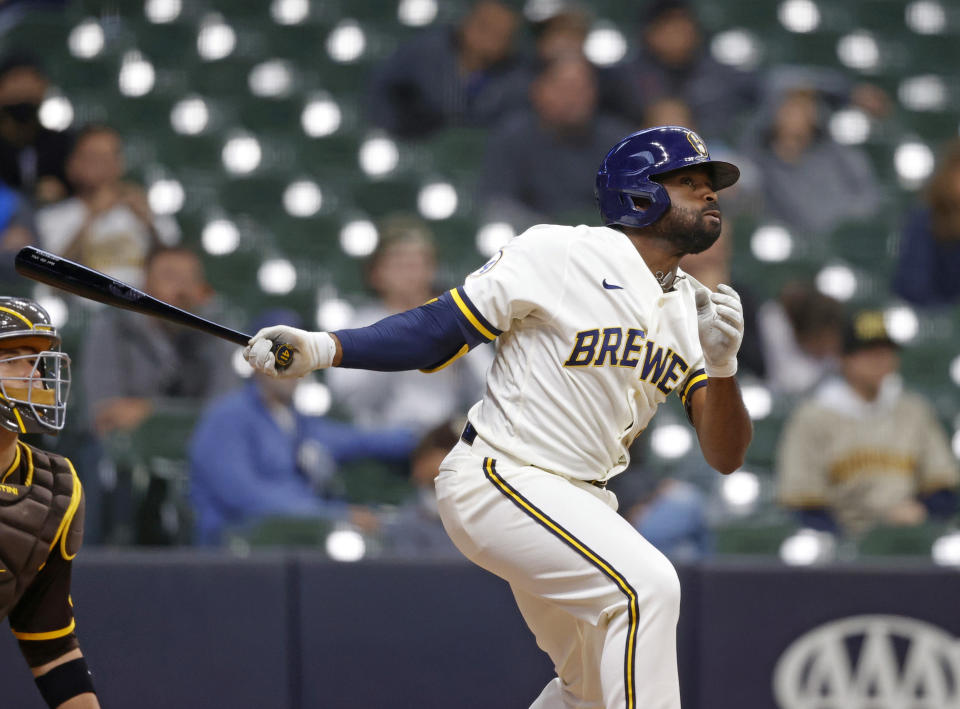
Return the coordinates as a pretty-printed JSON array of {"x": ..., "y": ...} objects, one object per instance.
[
  {"x": 13, "y": 466},
  {"x": 75, "y": 495}
]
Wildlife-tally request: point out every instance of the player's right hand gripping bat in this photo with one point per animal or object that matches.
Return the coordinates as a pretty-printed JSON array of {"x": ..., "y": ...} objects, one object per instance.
[{"x": 74, "y": 278}]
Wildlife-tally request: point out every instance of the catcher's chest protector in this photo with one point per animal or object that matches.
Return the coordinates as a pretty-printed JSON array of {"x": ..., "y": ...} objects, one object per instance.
[{"x": 32, "y": 517}]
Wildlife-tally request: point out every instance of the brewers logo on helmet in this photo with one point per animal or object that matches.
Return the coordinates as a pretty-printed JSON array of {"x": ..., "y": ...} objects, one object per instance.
[
  {"x": 626, "y": 190},
  {"x": 35, "y": 402}
]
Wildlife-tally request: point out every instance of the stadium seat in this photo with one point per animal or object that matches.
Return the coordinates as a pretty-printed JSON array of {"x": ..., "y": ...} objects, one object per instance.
[
  {"x": 752, "y": 538},
  {"x": 900, "y": 541},
  {"x": 281, "y": 532}
]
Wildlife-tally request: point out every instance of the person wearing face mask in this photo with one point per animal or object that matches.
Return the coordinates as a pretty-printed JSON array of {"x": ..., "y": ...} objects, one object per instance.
[{"x": 32, "y": 158}]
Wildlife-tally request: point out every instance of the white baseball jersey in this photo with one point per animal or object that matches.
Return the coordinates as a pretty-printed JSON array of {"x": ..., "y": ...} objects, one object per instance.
[{"x": 590, "y": 347}]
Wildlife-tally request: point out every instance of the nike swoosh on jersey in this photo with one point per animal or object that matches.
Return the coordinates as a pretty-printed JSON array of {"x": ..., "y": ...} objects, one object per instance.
[{"x": 610, "y": 286}]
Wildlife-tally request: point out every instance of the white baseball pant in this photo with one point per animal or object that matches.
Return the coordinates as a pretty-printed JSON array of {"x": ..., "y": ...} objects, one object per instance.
[{"x": 602, "y": 602}]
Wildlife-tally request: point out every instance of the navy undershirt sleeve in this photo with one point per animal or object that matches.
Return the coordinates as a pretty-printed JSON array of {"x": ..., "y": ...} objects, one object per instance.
[{"x": 423, "y": 338}]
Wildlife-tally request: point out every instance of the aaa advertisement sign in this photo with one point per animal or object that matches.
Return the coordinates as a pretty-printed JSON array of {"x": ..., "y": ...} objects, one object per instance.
[{"x": 870, "y": 662}]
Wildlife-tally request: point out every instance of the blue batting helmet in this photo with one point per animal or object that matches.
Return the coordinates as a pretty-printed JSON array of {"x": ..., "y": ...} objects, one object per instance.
[{"x": 626, "y": 173}]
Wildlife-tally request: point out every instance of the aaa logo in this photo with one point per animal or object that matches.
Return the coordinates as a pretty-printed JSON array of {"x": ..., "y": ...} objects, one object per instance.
[{"x": 870, "y": 662}]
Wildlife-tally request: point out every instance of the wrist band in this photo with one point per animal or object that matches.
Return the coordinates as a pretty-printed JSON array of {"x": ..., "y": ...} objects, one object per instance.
[
  {"x": 724, "y": 370},
  {"x": 64, "y": 682}
]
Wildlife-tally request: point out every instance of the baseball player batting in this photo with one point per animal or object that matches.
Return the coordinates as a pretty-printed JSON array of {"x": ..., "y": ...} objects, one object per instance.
[{"x": 596, "y": 326}]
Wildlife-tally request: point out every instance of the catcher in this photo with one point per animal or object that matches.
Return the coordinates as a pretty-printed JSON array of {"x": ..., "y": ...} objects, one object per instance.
[{"x": 41, "y": 507}]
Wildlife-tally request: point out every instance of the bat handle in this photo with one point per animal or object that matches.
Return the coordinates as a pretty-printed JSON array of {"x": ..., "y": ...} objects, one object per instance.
[{"x": 283, "y": 355}]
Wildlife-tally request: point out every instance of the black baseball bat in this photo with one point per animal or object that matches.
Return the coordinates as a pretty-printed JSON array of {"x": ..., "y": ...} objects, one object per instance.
[{"x": 85, "y": 282}]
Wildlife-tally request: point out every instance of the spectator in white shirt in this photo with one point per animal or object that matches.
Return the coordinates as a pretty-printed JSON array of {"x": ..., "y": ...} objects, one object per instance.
[{"x": 108, "y": 225}]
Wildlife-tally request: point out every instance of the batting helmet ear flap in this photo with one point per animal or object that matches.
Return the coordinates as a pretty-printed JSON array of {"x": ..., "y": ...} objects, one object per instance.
[{"x": 632, "y": 202}]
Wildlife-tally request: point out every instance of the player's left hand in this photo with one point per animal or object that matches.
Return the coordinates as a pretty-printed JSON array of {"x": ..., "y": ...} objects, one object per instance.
[
  {"x": 311, "y": 350},
  {"x": 720, "y": 323}
]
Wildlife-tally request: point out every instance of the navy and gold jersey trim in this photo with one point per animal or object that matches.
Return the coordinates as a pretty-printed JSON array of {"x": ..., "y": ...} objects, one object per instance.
[
  {"x": 545, "y": 521},
  {"x": 446, "y": 362},
  {"x": 479, "y": 323},
  {"x": 695, "y": 381}
]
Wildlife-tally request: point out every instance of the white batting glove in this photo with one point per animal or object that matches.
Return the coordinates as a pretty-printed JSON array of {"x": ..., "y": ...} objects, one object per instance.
[
  {"x": 720, "y": 322},
  {"x": 311, "y": 350}
]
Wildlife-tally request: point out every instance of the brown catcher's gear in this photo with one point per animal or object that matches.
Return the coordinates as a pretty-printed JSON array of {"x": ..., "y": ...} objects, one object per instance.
[
  {"x": 36, "y": 403},
  {"x": 42, "y": 516}
]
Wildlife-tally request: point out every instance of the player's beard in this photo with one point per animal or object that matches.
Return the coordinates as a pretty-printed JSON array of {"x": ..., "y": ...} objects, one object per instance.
[{"x": 688, "y": 229}]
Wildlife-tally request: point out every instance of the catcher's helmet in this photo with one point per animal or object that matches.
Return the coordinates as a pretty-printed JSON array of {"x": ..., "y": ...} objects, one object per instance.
[
  {"x": 33, "y": 395},
  {"x": 625, "y": 173}
]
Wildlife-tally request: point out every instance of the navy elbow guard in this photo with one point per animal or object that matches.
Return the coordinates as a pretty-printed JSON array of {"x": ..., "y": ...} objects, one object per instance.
[{"x": 64, "y": 682}]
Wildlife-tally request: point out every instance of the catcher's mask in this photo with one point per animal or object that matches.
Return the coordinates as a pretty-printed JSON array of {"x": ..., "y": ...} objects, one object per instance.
[{"x": 34, "y": 373}]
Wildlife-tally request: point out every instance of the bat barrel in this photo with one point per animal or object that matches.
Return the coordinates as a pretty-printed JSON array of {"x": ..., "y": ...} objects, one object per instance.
[{"x": 85, "y": 282}]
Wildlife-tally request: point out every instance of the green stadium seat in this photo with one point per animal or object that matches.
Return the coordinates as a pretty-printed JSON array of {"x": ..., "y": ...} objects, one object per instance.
[
  {"x": 865, "y": 244},
  {"x": 752, "y": 538},
  {"x": 281, "y": 532},
  {"x": 369, "y": 482},
  {"x": 164, "y": 434},
  {"x": 900, "y": 541}
]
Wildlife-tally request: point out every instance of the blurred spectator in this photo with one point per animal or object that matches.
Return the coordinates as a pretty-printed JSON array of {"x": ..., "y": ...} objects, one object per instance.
[
  {"x": 132, "y": 362},
  {"x": 253, "y": 455},
  {"x": 674, "y": 519},
  {"x": 862, "y": 451},
  {"x": 809, "y": 182},
  {"x": 673, "y": 60},
  {"x": 16, "y": 228},
  {"x": 136, "y": 369},
  {"x": 670, "y": 511},
  {"x": 32, "y": 158},
  {"x": 668, "y": 111},
  {"x": 108, "y": 225},
  {"x": 801, "y": 335},
  {"x": 402, "y": 273},
  {"x": 561, "y": 34},
  {"x": 711, "y": 268},
  {"x": 416, "y": 531},
  {"x": 928, "y": 269},
  {"x": 463, "y": 75},
  {"x": 541, "y": 166}
]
